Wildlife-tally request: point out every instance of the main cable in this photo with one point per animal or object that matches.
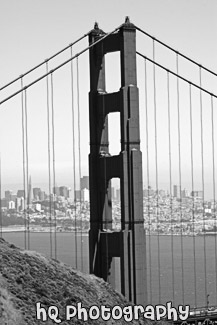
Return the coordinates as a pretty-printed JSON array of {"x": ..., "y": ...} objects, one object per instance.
[
  {"x": 175, "y": 74},
  {"x": 40, "y": 64},
  {"x": 59, "y": 66},
  {"x": 177, "y": 52}
]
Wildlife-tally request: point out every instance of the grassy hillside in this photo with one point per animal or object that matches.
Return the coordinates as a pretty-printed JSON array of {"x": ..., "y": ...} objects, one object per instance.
[{"x": 27, "y": 278}]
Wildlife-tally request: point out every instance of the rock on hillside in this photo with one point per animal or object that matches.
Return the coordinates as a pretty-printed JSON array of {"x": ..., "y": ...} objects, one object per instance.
[{"x": 28, "y": 277}]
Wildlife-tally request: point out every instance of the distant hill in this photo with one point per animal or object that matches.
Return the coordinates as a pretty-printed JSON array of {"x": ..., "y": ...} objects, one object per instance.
[{"x": 28, "y": 277}]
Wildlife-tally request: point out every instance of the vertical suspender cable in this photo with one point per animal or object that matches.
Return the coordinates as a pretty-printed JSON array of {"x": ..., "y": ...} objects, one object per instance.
[
  {"x": 49, "y": 161},
  {"x": 106, "y": 215},
  {"x": 193, "y": 205},
  {"x": 170, "y": 175},
  {"x": 27, "y": 170},
  {"x": 73, "y": 157},
  {"x": 79, "y": 159},
  {"x": 105, "y": 222},
  {"x": 214, "y": 190},
  {"x": 156, "y": 170},
  {"x": 24, "y": 162},
  {"x": 202, "y": 166},
  {"x": 54, "y": 165},
  {"x": 148, "y": 180},
  {"x": 180, "y": 177}
]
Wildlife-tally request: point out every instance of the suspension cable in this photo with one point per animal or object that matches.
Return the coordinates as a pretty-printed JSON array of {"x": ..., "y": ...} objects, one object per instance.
[
  {"x": 27, "y": 169},
  {"x": 192, "y": 188},
  {"x": 49, "y": 160},
  {"x": 73, "y": 158},
  {"x": 23, "y": 150},
  {"x": 171, "y": 196},
  {"x": 156, "y": 171},
  {"x": 54, "y": 165},
  {"x": 79, "y": 159},
  {"x": 59, "y": 66},
  {"x": 203, "y": 188},
  {"x": 214, "y": 190},
  {"x": 175, "y": 74},
  {"x": 175, "y": 51},
  {"x": 148, "y": 180},
  {"x": 40, "y": 64}
]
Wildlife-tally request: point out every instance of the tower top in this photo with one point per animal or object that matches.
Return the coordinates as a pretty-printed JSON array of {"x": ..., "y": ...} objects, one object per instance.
[
  {"x": 96, "y": 30},
  {"x": 127, "y": 24},
  {"x": 127, "y": 20}
]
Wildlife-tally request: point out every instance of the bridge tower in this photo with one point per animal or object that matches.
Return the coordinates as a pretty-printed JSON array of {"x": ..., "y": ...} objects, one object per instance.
[{"x": 129, "y": 243}]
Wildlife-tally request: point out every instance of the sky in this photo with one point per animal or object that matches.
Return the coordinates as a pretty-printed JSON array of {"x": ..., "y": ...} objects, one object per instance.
[{"x": 31, "y": 31}]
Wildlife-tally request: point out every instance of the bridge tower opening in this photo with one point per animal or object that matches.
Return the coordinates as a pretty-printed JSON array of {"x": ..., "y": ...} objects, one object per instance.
[{"x": 129, "y": 243}]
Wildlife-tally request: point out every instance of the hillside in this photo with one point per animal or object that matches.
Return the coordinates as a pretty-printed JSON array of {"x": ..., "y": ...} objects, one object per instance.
[{"x": 28, "y": 277}]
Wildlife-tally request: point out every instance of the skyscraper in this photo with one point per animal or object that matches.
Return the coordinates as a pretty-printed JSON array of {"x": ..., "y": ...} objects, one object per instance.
[
  {"x": 177, "y": 191},
  {"x": 118, "y": 194},
  {"x": 85, "y": 195},
  {"x": 185, "y": 193},
  {"x": 41, "y": 195},
  {"x": 64, "y": 191},
  {"x": 36, "y": 193},
  {"x": 77, "y": 195},
  {"x": 84, "y": 182},
  {"x": 113, "y": 193},
  {"x": 8, "y": 195},
  {"x": 197, "y": 194},
  {"x": 29, "y": 194},
  {"x": 56, "y": 190},
  {"x": 21, "y": 193}
]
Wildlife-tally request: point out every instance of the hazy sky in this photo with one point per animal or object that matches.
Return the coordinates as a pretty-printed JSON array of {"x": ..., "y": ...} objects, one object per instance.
[{"x": 31, "y": 31}]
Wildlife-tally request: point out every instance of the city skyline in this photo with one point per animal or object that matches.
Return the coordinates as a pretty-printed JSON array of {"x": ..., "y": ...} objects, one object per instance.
[
  {"x": 59, "y": 32},
  {"x": 177, "y": 192}
]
